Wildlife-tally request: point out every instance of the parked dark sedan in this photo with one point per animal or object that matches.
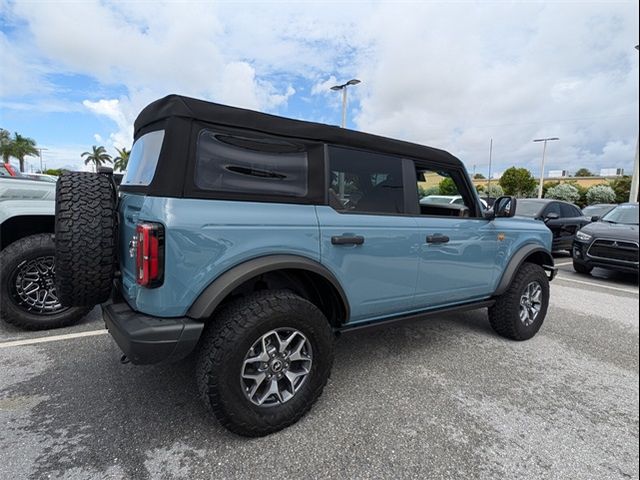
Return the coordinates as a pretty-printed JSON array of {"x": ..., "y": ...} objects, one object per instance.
[
  {"x": 564, "y": 219},
  {"x": 610, "y": 243}
]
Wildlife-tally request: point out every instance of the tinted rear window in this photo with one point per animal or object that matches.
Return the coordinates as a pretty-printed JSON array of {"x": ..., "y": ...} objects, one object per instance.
[
  {"x": 143, "y": 159},
  {"x": 264, "y": 165},
  {"x": 365, "y": 182}
]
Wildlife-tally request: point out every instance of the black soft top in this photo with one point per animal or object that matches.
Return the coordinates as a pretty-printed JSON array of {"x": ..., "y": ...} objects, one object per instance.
[{"x": 191, "y": 108}]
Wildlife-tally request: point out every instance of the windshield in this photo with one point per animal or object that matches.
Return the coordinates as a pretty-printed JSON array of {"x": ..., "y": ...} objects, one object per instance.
[
  {"x": 527, "y": 209},
  {"x": 596, "y": 210},
  {"x": 627, "y": 214}
]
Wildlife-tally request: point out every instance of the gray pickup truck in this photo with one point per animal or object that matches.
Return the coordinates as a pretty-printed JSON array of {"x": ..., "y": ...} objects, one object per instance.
[{"x": 27, "y": 267}]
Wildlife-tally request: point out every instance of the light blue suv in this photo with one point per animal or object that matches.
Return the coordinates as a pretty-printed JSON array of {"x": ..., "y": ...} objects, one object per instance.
[{"x": 253, "y": 240}]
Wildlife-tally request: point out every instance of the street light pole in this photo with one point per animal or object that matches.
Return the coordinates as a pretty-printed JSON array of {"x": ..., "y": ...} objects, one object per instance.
[
  {"x": 544, "y": 151},
  {"x": 335, "y": 88},
  {"x": 490, "y": 158},
  {"x": 343, "y": 87},
  {"x": 633, "y": 193},
  {"x": 40, "y": 155}
]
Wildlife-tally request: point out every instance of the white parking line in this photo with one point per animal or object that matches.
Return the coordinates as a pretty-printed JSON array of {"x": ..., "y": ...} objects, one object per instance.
[
  {"x": 53, "y": 338},
  {"x": 594, "y": 284},
  {"x": 563, "y": 264}
]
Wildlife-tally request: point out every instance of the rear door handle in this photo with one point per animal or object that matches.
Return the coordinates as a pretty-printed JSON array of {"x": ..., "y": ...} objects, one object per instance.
[
  {"x": 437, "y": 238},
  {"x": 347, "y": 240}
]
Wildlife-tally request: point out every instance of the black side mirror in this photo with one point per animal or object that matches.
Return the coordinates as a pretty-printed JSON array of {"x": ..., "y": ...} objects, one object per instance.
[
  {"x": 504, "y": 206},
  {"x": 551, "y": 216},
  {"x": 595, "y": 218}
]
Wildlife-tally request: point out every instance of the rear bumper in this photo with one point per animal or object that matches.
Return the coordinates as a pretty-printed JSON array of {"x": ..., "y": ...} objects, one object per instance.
[{"x": 145, "y": 339}]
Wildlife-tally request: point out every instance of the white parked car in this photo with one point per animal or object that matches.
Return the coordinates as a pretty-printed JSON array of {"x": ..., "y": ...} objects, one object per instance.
[
  {"x": 27, "y": 261},
  {"x": 448, "y": 199}
]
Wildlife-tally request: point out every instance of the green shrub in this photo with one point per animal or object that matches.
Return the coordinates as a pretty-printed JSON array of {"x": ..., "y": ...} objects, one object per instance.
[
  {"x": 448, "y": 187},
  {"x": 564, "y": 191},
  {"x": 493, "y": 191},
  {"x": 600, "y": 194},
  {"x": 425, "y": 192}
]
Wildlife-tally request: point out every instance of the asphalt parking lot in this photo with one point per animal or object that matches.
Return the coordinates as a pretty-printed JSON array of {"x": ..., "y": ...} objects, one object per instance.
[{"x": 441, "y": 398}]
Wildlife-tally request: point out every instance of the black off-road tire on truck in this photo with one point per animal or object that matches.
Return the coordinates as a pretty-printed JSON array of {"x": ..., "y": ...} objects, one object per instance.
[
  {"x": 86, "y": 237},
  {"x": 28, "y": 297},
  {"x": 519, "y": 313},
  {"x": 255, "y": 328}
]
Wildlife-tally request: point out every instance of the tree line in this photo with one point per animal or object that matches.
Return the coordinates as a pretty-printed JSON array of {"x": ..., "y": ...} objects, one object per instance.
[
  {"x": 19, "y": 147},
  {"x": 519, "y": 182}
]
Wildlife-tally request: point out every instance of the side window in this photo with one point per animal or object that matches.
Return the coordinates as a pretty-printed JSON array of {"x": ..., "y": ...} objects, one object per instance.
[
  {"x": 230, "y": 163},
  {"x": 553, "y": 207},
  {"x": 569, "y": 211},
  {"x": 365, "y": 182},
  {"x": 440, "y": 193}
]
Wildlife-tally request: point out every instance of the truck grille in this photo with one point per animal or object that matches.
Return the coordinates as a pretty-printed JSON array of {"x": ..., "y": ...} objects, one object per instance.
[{"x": 614, "y": 250}]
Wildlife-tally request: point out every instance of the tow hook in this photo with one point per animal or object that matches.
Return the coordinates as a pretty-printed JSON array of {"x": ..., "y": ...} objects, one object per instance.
[{"x": 124, "y": 360}]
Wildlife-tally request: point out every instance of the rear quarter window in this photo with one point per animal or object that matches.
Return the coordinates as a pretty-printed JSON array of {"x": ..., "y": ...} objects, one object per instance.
[
  {"x": 143, "y": 159},
  {"x": 238, "y": 164}
]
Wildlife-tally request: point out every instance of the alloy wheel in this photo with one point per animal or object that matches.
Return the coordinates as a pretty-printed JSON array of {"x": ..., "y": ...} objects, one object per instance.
[
  {"x": 276, "y": 367},
  {"x": 33, "y": 286},
  {"x": 530, "y": 303}
]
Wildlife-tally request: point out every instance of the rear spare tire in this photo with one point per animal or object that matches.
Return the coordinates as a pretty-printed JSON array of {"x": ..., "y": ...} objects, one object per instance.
[{"x": 86, "y": 238}]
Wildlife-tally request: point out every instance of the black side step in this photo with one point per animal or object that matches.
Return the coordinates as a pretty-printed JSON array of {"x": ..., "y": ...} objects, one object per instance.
[{"x": 416, "y": 316}]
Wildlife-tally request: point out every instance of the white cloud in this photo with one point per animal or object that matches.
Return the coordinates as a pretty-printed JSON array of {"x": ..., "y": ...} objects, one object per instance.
[
  {"x": 112, "y": 110},
  {"x": 452, "y": 75}
]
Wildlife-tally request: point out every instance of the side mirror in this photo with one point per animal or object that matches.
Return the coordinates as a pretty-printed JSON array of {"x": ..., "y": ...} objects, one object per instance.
[
  {"x": 505, "y": 206},
  {"x": 551, "y": 216},
  {"x": 595, "y": 218}
]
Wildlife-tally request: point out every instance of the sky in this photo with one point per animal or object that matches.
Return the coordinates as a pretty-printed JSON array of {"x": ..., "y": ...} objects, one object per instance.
[{"x": 453, "y": 75}]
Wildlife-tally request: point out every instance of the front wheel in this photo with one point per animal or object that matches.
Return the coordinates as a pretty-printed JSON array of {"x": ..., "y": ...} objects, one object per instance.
[
  {"x": 519, "y": 313},
  {"x": 581, "y": 267},
  {"x": 263, "y": 361},
  {"x": 29, "y": 298}
]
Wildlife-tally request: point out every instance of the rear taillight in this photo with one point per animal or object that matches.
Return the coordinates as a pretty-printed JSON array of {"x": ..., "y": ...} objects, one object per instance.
[{"x": 149, "y": 254}]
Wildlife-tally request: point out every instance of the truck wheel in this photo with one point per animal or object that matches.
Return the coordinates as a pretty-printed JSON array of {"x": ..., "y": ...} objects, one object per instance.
[
  {"x": 264, "y": 361},
  {"x": 519, "y": 313},
  {"x": 86, "y": 238},
  {"x": 581, "y": 267},
  {"x": 28, "y": 298}
]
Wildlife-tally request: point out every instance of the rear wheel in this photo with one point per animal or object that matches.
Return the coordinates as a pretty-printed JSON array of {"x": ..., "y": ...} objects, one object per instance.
[
  {"x": 29, "y": 298},
  {"x": 264, "y": 361},
  {"x": 519, "y": 313},
  {"x": 86, "y": 238}
]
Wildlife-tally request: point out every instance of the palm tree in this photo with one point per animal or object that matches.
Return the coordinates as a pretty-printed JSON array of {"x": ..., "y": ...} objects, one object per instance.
[
  {"x": 6, "y": 145},
  {"x": 23, "y": 147},
  {"x": 122, "y": 160},
  {"x": 98, "y": 156}
]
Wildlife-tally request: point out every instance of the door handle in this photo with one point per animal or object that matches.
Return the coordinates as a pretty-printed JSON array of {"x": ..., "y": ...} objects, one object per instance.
[
  {"x": 347, "y": 240},
  {"x": 437, "y": 238}
]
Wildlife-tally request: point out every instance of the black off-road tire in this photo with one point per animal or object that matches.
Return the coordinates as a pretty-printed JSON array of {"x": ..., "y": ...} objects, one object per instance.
[
  {"x": 582, "y": 268},
  {"x": 15, "y": 310},
  {"x": 504, "y": 314},
  {"x": 227, "y": 340},
  {"x": 86, "y": 238}
]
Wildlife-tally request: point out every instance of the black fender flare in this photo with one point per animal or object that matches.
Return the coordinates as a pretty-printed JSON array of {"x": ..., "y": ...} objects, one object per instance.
[
  {"x": 518, "y": 259},
  {"x": 215, "y": 293}
]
